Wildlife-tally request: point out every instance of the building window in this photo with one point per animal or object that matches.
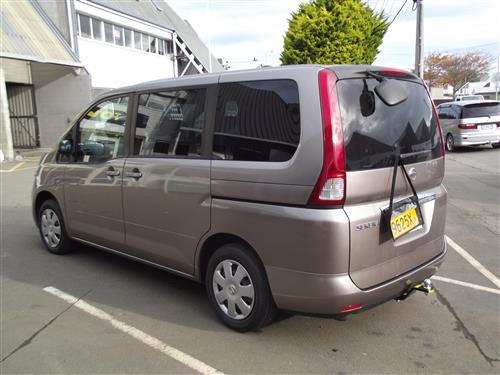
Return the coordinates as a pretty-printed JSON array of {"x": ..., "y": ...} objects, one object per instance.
[
  {"x": 97, "y": 29},
  {"x": 137, "y": 40},
  {"x": 118, "y": 35},
  {"x": 128, "y": 38},
  {"x": 108, "y": 32},
  {"x": 84, "y": 22},
  {"x": 145, "y": 42}
]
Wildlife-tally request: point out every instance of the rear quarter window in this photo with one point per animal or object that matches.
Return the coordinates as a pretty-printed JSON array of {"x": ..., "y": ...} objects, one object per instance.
[
  {"x": 257, "y": 121},
  {"x": 370, "y": 140}
]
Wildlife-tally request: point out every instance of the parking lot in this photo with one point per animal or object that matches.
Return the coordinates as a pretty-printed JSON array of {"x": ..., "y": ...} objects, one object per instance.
[{"x": 105, "y": 314}]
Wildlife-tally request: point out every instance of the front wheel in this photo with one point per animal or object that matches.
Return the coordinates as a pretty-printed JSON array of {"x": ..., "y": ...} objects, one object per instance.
[
  {"x": 238, "y": 290},
  {"x": 496, "y": 145},
  {"x": 450, "y": 143},
  {"x": 52, "y": 228}
]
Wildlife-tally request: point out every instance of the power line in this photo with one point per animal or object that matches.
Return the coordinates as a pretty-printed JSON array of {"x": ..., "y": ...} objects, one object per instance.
[{"x": 394, "y": 18}]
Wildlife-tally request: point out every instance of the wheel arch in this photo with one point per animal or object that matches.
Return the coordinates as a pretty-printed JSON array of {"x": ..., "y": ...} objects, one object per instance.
[
  {"x": 214, "y": 242},
  {"x": 41, "y": 197}
]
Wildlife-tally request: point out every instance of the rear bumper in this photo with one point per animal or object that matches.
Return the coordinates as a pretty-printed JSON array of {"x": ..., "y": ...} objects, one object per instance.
[
  {"x": 476, "y": 139},
  {"x": 327, "y": 294}
]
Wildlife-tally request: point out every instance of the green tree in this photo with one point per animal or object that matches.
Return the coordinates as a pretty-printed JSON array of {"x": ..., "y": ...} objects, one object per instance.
[{"x": 333, "y": 32}]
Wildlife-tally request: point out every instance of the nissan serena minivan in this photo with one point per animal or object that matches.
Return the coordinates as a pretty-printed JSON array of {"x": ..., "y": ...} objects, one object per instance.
[{"x": 315, "y": 189}]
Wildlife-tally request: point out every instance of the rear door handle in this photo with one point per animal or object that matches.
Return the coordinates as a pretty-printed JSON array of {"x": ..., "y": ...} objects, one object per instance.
[
  {"x": 111, "y": 172},
  {"x": 136, "y": 174}
]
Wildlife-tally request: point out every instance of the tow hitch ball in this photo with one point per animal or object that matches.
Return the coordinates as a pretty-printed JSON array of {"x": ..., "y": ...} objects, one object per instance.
[{"x": 425, "y": 287}]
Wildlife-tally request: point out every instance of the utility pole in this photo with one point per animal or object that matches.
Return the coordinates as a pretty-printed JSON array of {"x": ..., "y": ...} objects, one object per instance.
[{"x": 419, "y": 43}]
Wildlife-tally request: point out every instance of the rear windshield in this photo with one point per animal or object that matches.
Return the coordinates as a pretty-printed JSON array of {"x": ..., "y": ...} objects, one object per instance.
[
  {"x": 481, "y": 110},
  {"x": 370, "y": 138}
]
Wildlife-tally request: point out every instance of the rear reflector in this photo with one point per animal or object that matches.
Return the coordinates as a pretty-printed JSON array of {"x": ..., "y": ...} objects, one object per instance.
[
  {"x": 351, "y": 308},
  {"x": 331, "y": 184},
  {"x": 467, "y": 126}
]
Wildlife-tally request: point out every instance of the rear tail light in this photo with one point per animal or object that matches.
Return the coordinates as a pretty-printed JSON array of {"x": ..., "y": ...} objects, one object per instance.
[
  {"x": 467, "y": 126},
  {"x": 393, "y": 72},
  {"x": 498, "y": 124},
  {"x": 331, "y": 185}
]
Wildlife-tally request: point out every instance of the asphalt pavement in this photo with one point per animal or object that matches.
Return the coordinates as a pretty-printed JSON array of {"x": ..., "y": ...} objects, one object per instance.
[{"x": 129, "y": 318}]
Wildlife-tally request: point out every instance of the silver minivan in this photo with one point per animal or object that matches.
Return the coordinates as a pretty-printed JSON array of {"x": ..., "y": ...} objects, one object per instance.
[
  {"x": 314, "y": 189},
  {"x": 470, "y": 123}
]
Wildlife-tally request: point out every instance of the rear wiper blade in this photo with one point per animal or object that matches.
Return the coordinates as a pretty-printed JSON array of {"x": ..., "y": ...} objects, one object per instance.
[
  {"x": 410, "y": 154},
  {"x": 378, "y": 77}
]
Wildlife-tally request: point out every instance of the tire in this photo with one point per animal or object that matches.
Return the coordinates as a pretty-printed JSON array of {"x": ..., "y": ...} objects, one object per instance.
[
  {"x": 450, "y": 143},
  {"x": 243, "y": 301},
  {"x": 52, "y": 228},
  {"x": 496, "y": 145}
]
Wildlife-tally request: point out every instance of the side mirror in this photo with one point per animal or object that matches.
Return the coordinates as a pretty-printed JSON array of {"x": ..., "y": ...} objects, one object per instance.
[
  {"x": 391, "y": 92},
  {"x": 66, "y": 147}
]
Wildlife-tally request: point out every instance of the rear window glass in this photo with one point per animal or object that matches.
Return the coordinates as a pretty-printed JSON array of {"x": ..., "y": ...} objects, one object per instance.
[
  {"x": 257, "y": 121},
  {"x": 370, "y": 139},
  {"x": 481, "y": 110}
]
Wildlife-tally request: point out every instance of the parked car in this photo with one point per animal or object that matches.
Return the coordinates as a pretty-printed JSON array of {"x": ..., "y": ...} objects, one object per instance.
[
  {"x": 472, "y": 123},
  {"x": 461, "y": 98},
  {"x": 306, "y": 188}
]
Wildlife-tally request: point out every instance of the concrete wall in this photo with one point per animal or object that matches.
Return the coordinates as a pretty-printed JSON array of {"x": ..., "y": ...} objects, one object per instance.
[
  {"x": 60, "y": 93},
  {"x": 114, "y": 66}
]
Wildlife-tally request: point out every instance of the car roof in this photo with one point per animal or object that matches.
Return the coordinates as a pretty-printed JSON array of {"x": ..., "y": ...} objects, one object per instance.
[
  {"x": 341, "y": 71},
  {"x": 467, "y": 102}
]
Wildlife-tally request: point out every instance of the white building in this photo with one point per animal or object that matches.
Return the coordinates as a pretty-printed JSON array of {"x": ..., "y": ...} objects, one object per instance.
[
  {"x": 488, "y": 89},
  {"x": 57, "y": 55},
  {"x": 126, "y": 42}
]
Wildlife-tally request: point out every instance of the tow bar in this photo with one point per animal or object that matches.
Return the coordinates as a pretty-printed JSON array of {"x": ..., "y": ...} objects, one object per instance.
[{"x": 425, "y": 287}]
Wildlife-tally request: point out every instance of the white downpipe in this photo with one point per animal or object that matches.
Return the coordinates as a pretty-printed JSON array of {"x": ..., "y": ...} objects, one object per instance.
[
  {"x": 6, "y": 145},
  {"x": 207, "y": 11}
]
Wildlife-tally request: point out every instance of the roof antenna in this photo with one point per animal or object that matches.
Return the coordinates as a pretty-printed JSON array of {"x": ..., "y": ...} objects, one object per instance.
[{"x": 156, "y": 6}]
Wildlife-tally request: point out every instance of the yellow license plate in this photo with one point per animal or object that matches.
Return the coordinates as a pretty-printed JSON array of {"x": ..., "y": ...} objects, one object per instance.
[{"x": 403, "y": 223}]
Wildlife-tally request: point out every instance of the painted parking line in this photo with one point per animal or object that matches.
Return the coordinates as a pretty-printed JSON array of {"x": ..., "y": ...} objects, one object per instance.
[
  {"x": 469, "y": 258},
  {"x": 13, "y": 168},
  {"x": 137, "y": 334},
  {"x": 468, "y": 285}
]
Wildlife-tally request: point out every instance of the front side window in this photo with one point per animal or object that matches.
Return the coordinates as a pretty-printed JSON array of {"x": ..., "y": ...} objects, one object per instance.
[
  {"x": 170, "y": 123},
  {"x": 257, "y": 121},
  {"x": 100, "y": 132}
]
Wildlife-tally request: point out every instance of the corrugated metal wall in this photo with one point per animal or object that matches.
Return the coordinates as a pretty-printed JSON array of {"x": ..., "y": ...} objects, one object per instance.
[{"x": 23, "y": 116}]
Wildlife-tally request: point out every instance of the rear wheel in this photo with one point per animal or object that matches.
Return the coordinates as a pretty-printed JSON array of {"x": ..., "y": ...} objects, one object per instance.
[
  {"x": 238, "y": 290},
  {"x": 496, "y": 145},
  {"x": 450, "y": 143},
  {"x": 52, "y": 228}
]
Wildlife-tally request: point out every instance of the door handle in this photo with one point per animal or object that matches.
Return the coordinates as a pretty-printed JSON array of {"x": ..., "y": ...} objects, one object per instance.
[
  {"x": 111, "y": 172},
  {"x": 136, "y": 174}
]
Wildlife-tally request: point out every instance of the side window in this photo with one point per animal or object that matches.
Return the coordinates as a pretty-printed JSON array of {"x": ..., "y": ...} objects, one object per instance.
[
  {"x": 444, "y": 113},
  {"x": 170, "y": 123},
  {"x": 100, "y": 133},
  {"x": 457, "y": 111},
  {"x": 257, "y": 121}
]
